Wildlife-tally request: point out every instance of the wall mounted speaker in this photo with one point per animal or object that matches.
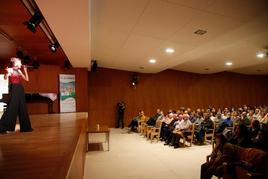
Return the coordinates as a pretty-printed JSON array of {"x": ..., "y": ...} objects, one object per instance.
[{"x": 94, "y": 65}]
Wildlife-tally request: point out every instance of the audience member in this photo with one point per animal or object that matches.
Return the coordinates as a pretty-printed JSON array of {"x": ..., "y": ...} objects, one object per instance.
[
  {"x": 167, "y": 122},
  {"x": 214, "y": 160},
  {"x": 261, "y": 140},
  {"x": 264, "y": 117},
  {"x": 152, "y": 120},
  {"x": 134, "y": 123},
  {"x": 244, "y": 118},
  {"x": 182, "y": 129},
  {"x": 254, "y": 129},
  {"x": 206, "y": 124},
  {"x": 242, "y": 136},
  {"x": 228, "y": 120}
]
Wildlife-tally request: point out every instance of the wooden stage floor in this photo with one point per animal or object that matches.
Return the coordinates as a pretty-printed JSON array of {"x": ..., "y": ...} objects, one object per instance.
[{"x": 55, "y": 149}]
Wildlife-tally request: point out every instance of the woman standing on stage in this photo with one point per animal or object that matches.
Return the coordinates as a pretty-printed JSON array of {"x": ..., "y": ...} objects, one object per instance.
[{"x": 16, "y": 105}]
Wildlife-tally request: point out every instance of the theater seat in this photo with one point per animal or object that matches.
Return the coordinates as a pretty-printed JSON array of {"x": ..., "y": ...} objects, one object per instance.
[
  {"x": 245, "y": 163},
  {"x": 189, "y": 137},
  {"x": 155, "y": 131},
  {"x": 209, "y": 134}
]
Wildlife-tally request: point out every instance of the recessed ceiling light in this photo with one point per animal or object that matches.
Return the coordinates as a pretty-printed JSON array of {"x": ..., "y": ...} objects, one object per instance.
[
  {"x": 260, "y": 55},
  {"x": 152, "y": 60},
  {"x": 228, "y": 63},
  {"x": 170, "y": 50}
]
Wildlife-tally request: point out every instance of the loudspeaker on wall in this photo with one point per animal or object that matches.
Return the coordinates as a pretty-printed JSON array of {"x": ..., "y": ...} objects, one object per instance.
[{"x": 94, "y": 65}]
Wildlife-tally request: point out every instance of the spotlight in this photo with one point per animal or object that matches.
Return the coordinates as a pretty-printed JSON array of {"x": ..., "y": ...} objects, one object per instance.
[
  {"x": 134, "y": 80},
  {"x": 53, "y": 47},
  {"x": 34, "y": 21}
]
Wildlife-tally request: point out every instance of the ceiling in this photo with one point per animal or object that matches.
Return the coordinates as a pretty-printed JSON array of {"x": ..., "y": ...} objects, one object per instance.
[{"x": 125, "y": 34}]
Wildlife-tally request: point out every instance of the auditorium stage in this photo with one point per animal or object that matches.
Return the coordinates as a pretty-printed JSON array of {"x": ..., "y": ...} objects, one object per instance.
[{"x": 55, "y": 149}]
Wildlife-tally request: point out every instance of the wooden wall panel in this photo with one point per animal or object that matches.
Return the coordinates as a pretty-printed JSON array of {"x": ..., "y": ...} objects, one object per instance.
[
  {"x": 46, "y": 79},
  {"x": 169, "y": 89}
]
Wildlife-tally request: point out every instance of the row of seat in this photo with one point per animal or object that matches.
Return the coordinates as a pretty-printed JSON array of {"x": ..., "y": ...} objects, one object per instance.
[
  {"x": 153, "y": 132},
  {"x": 150, "y": 132}
]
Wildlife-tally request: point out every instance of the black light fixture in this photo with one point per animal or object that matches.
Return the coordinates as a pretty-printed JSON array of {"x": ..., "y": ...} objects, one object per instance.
[
  {"x": 34, "y": 21},
  {"x": 53, "y": 47},
  {"x": 94, "y": 65},
  {"x": 134, "y": 80},
  {"x": 67, "y": 65}
]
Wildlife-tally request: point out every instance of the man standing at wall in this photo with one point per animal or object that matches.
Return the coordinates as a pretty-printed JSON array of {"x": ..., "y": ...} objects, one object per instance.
[{"x": 120, "y": 114}]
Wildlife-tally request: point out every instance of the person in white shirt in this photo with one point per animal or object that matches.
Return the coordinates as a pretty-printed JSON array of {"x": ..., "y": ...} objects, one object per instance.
[
  {"x": 167, "y": 120},
  {"x": 264, "y": 118},
  {"x": 181, "y": 129}
]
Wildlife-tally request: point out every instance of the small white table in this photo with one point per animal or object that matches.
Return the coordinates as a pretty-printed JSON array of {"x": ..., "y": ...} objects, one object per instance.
[{"x": 101, "y": 129}]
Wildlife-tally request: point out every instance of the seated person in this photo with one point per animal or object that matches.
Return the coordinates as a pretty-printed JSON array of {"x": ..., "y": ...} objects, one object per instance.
[
  {"x": 161, "y": 116},
  {"x": 193, "y": 116},
  {"x": 244, "y": 162},
  {"x": 264, "y": 117},
  {"x": 257, "y": 114},
  {"x": 134, "y": 123},
  {"x": 250, "y": 115},
  {"x": 182, "y": 128},
  {"x": 228, "y": 120},
  {"x": 206, "y": 124},
  {"x": 244, "y": 119},
  {"x": 214, "y": 160},
  {"x": 254, "y": 129},
  {"x": 219, "y": 123},
  {"x": 198, "y": 121},
  {"x": 152, "y": 120},
  {"x": 168, "y": 126},
  {"x": 224, "y": 115},
  {"x": 235, "y": 118},
  {"x": 261, "y": 140},
  {"x": 242, "y": 136}
]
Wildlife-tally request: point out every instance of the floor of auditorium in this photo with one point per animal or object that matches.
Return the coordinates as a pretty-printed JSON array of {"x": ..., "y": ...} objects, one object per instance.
[{"x": 131, "y": 156}]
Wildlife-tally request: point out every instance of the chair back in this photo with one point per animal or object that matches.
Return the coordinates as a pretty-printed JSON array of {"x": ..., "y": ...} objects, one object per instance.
[
  {"x": 250, "y": 161},
  {"x": 189, "y": 137},
  {"x": 192, "y": 128},
  {"x": 155, "y": 131},
  {"x": 158, "y": 124},
  {"x": 210, "y": 134}
]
